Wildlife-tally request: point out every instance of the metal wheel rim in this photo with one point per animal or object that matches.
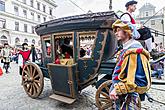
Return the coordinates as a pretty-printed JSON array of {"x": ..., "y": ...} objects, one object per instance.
[
  {"x": 103, "y": 100},
  {"x": 32, "y": 80}
]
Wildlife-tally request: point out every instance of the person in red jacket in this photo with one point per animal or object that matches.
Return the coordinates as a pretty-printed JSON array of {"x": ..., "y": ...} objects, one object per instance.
[{"x": 24, "y": 55}]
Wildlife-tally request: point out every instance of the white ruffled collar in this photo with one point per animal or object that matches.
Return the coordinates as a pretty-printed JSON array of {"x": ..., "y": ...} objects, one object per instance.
[{"x": 129, "y": 43}]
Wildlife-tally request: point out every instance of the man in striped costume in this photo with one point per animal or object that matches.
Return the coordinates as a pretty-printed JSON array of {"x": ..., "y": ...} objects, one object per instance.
[{"x": 131, "y": 75}]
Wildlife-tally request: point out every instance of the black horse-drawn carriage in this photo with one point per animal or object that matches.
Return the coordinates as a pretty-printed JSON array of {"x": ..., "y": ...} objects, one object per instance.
[{"x": 65, "y": 59}]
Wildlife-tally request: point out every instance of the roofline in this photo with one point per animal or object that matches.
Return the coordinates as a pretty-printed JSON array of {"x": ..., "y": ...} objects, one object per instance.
[
  {"x": 152, "y": 6},
  {"x": 145, "y": 18},
  {"x": 78, "y": 22},
  {"x": 53, "y": 3}
]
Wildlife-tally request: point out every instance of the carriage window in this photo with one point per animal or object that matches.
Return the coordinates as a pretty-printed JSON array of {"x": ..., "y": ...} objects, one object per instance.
[
  {"x": 86, "y": 41},
  {"x": 63, "y": 49},
  {"x": 48, "y": 47}
]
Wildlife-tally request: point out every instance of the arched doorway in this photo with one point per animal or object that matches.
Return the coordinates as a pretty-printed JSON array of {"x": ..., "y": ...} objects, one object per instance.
[
  {"x": 3, "y": 39},
  {"x": 33, "y": 41},
  {"x": 25, "y": 40},
  {"x": 17, "y": 40}
]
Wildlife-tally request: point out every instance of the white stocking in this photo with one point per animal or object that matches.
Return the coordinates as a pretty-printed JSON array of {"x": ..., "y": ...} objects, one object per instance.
[{"x": 148, "y": 43}]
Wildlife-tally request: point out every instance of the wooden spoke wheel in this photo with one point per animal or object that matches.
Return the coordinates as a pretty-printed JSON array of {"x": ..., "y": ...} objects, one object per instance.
[
  {"x": 102, "y": 98},
  {"x": 32, "y": 80}
]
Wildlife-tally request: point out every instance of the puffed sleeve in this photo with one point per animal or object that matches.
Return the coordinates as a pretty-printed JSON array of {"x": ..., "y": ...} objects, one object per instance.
[{"x": 134, "y": 75}]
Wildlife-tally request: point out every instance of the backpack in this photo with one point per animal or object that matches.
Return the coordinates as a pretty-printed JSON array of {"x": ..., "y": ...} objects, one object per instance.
[{"x": 145, "y": 33}]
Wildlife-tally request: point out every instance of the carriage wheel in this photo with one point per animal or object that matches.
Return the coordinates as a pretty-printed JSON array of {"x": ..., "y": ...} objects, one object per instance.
[
  {"x": 102, "y": 98},
  {"x": 32, "y": 80}
]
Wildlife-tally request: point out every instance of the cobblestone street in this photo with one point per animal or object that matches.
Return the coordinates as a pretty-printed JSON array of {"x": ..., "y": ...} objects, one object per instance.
[{"x": 13, "y": 96}]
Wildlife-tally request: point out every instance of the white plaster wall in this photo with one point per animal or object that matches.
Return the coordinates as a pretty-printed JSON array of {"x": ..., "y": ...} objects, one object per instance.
[{"x": 10, "y": 18}]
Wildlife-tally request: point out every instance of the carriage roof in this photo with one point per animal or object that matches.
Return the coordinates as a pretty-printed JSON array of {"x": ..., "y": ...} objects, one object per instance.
[{"x": 89, "y": 21}]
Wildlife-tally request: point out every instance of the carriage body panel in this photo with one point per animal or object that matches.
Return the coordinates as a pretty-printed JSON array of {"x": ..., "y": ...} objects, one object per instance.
[{"x": 63, "y": 79}]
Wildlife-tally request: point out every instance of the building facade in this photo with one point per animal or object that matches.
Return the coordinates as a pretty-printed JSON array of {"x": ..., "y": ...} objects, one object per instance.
[
  {"x": 19, "y": 17},
  {"x": 152, "y": 19}
]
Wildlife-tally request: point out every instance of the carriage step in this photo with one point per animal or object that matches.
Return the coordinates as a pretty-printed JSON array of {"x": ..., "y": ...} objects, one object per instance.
[{"x": 62, "y": 98}]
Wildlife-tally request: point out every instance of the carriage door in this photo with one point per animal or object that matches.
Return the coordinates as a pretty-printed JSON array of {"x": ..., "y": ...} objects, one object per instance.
[
  {"x": 91, "y": 47},
  {"x": 46, "y": 49},
  {"x": 63, "y": 70},
  {"x": 85, "y": 55}
]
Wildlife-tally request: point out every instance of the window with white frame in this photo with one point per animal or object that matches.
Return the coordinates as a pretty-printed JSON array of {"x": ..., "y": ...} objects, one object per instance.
[
  {"x": 50, "y": 11},
  {"x": 16, "y": 10},
  {"x": 31, "y": 3},
  {"x": 2, "y": 5},
  {"x": 152, "y": 22},
  {"x": 146, "y": 13},
  {"x": 25, "y": 27},
  {"x": 2, "y": 23},
  {"x": 25, "y": 13},
  {"x": 39, "y": 18},
  {"x": 44, "y": 18},
  {"x": 32, "y": 15},
  {"x": 44, "y": 8},
  {"x": 16, "y": 26},
  {"x": 38, "y": 5}
]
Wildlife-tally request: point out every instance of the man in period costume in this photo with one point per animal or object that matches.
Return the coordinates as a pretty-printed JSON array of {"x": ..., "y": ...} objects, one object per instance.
[
  {"x": 24, "y": 55},
  {"x": 6, "y": 52},
  {"x": 145, "y": 33},
  {"x": 131, "y": 75}
]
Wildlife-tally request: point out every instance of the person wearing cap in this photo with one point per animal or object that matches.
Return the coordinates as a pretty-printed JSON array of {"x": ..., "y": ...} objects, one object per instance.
[
  {"x": 128, "y": 15},
  {"x": 130, "y": 79},
  {"x": 144, "y": 31}
]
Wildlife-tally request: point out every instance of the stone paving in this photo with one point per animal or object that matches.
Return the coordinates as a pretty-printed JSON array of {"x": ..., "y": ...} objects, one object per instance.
[{"x": 13, "y": 97}]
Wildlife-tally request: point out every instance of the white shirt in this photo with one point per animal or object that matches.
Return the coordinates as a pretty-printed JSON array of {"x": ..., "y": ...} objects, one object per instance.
[
  {"x": 127, "y": 18},
  {"x": 131, "y": 43},
  {"x": 5, "y": 52}
]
